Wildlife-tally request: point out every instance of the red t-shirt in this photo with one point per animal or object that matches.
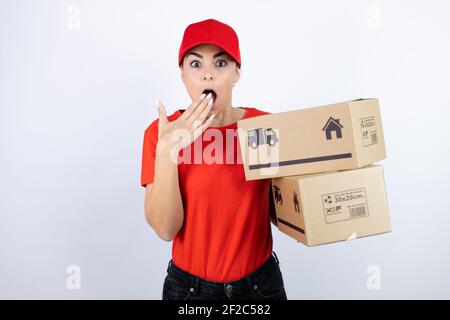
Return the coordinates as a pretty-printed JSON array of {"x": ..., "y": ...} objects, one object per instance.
[{"x": 226, "y": 233}]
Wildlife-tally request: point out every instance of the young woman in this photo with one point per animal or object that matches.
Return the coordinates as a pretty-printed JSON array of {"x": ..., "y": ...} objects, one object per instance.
[{"x": 196, "y": 192}]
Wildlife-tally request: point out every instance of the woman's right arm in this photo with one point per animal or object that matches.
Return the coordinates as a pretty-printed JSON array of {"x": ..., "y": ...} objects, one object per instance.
[{"x": 163, "y": 203}]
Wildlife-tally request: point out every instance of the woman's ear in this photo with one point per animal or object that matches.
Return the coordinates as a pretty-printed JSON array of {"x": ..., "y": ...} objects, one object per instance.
[
  {"x": 181, "y": 73},
  {"x": 238, "y": 74}
]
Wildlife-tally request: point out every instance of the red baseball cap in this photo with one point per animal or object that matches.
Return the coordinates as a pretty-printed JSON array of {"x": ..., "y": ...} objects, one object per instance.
[{"x": 210, "y": 31}]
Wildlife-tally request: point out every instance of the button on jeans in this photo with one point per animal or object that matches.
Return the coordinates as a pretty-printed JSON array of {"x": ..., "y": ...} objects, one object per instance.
[{"x": 265, "y": 283}]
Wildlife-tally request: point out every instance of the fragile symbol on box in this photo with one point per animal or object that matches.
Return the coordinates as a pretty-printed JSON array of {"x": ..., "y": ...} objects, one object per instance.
[
  {"x": 345, "y": 205},
  {"x": 296, "y": 202},
  {"x": 277, "y": 194}
]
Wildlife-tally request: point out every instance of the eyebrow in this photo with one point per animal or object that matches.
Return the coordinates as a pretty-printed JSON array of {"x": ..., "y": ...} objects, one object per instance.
[{"x": 201, "y": 57}]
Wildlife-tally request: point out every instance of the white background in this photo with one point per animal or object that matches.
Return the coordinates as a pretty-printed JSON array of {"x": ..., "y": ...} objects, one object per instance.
[{"x": 78, "y": 81}]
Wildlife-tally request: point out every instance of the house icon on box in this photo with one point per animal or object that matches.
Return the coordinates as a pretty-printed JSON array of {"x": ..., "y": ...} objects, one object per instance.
[{"x": 333, "y": 125}]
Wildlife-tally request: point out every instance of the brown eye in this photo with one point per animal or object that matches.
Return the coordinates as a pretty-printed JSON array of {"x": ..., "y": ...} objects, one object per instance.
[
  {"x": 195, "y": 64},
  {"x": 221, "y": 63}
]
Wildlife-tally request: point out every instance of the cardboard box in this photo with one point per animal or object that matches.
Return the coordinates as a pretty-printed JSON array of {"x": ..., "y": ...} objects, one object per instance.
[
  {"x": 338, "y": 136},
  {"x": 322, "y": 208}
]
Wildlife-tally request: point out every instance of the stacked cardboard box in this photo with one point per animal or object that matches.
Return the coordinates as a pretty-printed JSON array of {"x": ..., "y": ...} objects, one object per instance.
[{"x": 326, "y": 186}]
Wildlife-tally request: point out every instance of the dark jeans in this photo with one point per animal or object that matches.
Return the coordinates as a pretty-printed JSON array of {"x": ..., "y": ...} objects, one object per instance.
[{"x": 265, "y": 283}]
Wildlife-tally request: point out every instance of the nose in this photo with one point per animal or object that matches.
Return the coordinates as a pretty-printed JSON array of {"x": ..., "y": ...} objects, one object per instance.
[{"x": 207, "y": 76}]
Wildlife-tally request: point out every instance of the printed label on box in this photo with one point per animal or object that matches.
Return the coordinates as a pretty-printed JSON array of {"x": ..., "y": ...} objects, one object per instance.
[
  {"x": 345, "y": 205},
  {"x": 368, "y": 131}
]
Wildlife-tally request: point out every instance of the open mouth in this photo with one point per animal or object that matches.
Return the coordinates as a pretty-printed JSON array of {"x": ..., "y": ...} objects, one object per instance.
[{"x": 214, "y": 94}]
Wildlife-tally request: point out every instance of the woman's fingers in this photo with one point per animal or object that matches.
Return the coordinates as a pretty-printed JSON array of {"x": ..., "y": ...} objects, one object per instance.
[
  {"x": 162, "y": 113},
  {"x": 162, "y": 116},
  {"x": 202, "y": 116},
  {"x": 194, "y": 121},
  {"x": 195, "y": 114},
  {"x": 202, "y": 120},
  {"x": 192, "y": 107},
  {"x": 203, "y": 126}
]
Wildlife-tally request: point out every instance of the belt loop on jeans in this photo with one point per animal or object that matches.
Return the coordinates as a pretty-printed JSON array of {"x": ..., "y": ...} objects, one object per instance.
[
  {"x": 196, "y": 285},
  {"x": 276, "y": 257},
  {"x": 250, "y": 283},
  {"x": 194, "y": 282},
  {"x": 169, "y": 265}
]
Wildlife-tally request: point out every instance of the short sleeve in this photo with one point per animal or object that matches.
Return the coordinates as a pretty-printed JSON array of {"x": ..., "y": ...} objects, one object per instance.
[
  {"x": 254, "y": 112},
  {"x": 149, "y": 153}
]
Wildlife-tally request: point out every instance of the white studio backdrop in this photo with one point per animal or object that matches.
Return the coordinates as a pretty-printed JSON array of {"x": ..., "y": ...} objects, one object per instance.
[{"x": 78, "y": 81}]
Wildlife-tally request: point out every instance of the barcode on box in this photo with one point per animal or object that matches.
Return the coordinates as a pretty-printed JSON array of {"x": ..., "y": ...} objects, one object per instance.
[
  {"x": 345, "y": 205},
  {"x": 357, "y": 211},
  {"x": 374, "y": 138},
  {"x": 368, "y": 131}
]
